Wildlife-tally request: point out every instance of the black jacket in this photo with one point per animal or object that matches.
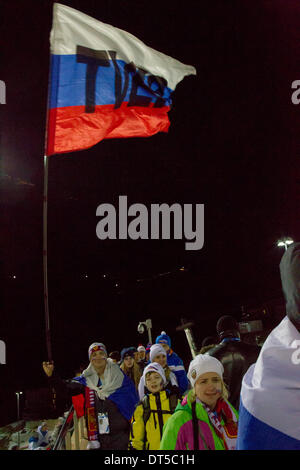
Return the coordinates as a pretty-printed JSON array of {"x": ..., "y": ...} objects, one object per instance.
[
  {"x": 236, "y": 358},
  {"x": 290, "y": 279}
]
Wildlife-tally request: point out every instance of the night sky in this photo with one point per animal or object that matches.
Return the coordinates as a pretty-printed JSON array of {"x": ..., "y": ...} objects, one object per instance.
[{"x": 233, "y": 145}]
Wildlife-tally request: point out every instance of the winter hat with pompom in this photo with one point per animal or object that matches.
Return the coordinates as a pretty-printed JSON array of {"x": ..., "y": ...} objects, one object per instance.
[{"x": 163, "y": 338}]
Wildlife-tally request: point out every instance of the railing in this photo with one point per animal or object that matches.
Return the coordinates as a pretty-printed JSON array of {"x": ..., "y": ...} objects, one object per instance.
[{"x": 72, "y": 435}]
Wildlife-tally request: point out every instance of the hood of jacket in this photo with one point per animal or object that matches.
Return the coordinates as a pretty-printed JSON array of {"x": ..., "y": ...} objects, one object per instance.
[{"x": 186, "y": 405}]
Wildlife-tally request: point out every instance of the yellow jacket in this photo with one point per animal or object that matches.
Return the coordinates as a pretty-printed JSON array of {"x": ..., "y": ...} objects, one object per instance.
[{"x": 157, "y": 408}]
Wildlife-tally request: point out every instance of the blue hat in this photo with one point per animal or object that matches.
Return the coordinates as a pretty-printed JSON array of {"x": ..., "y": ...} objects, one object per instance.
[
  {"x": 127, "y": 352},
  {"x": 163, "y": 339}
]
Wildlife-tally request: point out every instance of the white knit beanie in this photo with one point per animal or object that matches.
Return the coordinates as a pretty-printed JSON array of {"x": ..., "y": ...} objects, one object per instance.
[
  {"x": 155, "y": 367},
  {"x": 204, "y": 363},
  {"x": 155, "y": 350}
]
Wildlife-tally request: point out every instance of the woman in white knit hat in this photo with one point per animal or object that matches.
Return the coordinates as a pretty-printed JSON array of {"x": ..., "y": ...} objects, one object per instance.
[
  {"x": 159, "y": 355},
  {"x": 204, "y": 420}
]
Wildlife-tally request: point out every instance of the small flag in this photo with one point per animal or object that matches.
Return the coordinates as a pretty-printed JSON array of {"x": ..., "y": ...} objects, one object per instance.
[
  {"x": 104, "y": 83},
  {"x": 269, "y": 415}
]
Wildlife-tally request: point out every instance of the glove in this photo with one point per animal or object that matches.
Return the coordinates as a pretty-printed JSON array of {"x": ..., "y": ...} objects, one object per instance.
[{"x": 93, "y": 445}]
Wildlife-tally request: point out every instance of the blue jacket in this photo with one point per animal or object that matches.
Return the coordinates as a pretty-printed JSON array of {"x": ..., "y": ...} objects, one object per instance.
[{"x": 176, "y": 366}]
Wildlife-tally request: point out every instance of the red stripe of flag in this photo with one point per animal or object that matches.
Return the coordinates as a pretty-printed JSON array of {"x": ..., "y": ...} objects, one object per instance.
[{"x": 72, "y": 128}]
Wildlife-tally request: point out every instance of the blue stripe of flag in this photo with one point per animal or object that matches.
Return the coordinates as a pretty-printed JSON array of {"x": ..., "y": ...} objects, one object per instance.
[
  {"x": 254, "y": 434},
  {"x": 126, "y": 398},
  {"x": 68, "y": 83}
]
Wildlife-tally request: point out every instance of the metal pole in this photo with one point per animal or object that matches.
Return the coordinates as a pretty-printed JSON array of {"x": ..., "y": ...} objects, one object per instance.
[
  {"x": 149, "y": 325},
  {"x": 18, "y": 415},
  {"x": 185, "y": 326},
  {"x": 192, "y": 346},
  {"x": 45, "y": 259},
  {"x": 76, "y": 431}
]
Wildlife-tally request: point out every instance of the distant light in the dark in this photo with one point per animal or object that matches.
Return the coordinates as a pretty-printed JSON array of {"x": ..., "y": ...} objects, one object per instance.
[{"x": 285, "y": 242}]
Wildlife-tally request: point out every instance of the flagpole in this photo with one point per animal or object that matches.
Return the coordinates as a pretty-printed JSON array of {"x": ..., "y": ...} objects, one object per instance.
[
  {"x": 45, "y": 223},
  {"x": 45, "y": 258}
]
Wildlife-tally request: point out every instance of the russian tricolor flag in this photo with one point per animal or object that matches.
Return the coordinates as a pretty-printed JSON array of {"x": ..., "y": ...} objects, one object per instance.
[
  {"x": 105, "y": 83},
  {"x": 269, "y": 415}
]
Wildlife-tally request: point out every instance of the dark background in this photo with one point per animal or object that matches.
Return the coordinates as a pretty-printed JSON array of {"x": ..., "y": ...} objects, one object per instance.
[{"x": 232, "y": 145}]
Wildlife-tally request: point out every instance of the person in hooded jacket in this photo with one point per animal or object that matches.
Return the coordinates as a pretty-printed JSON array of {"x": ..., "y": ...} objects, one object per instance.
[
  {"x": 204, "y": 420},
  {"x": 174, "y": 362},
  {"x": 109, "y": 397},
  {"x": 269, "y": 404},
  {"x": 153, "y": 411}
]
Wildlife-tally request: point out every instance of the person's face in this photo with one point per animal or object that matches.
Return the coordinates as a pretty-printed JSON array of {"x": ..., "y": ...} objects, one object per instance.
[
  {"x": 98, "y": 359},
  {"x": 136, "y": 356},
  {"x": 208, "y": 388},
  {"x": 142, "y": 355},
  {"x": 161, "y": 359},
  {"x": 154, "y": 382},
  {"x": 128, "y": 361},
  {"x": 165, "y": 346}
]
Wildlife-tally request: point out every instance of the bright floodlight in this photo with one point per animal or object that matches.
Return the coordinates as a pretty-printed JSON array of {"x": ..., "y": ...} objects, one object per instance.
[{"x": 285, "y": 242}]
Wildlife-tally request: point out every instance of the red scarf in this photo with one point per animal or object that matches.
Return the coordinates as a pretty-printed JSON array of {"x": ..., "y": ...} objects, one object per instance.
[
  {"x": 91, "y": 414},
  {"x": 228, "y": 431}
]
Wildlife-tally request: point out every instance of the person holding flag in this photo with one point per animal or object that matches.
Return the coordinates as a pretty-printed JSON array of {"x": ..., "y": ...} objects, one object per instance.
[
  {"x": 104, "y": 83},
  {"x": 109, "y": 395},
  {"x": 269, "y": 403}
]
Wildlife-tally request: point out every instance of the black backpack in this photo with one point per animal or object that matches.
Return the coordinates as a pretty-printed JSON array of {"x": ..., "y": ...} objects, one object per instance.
[{"x": 173, "y": 399}]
